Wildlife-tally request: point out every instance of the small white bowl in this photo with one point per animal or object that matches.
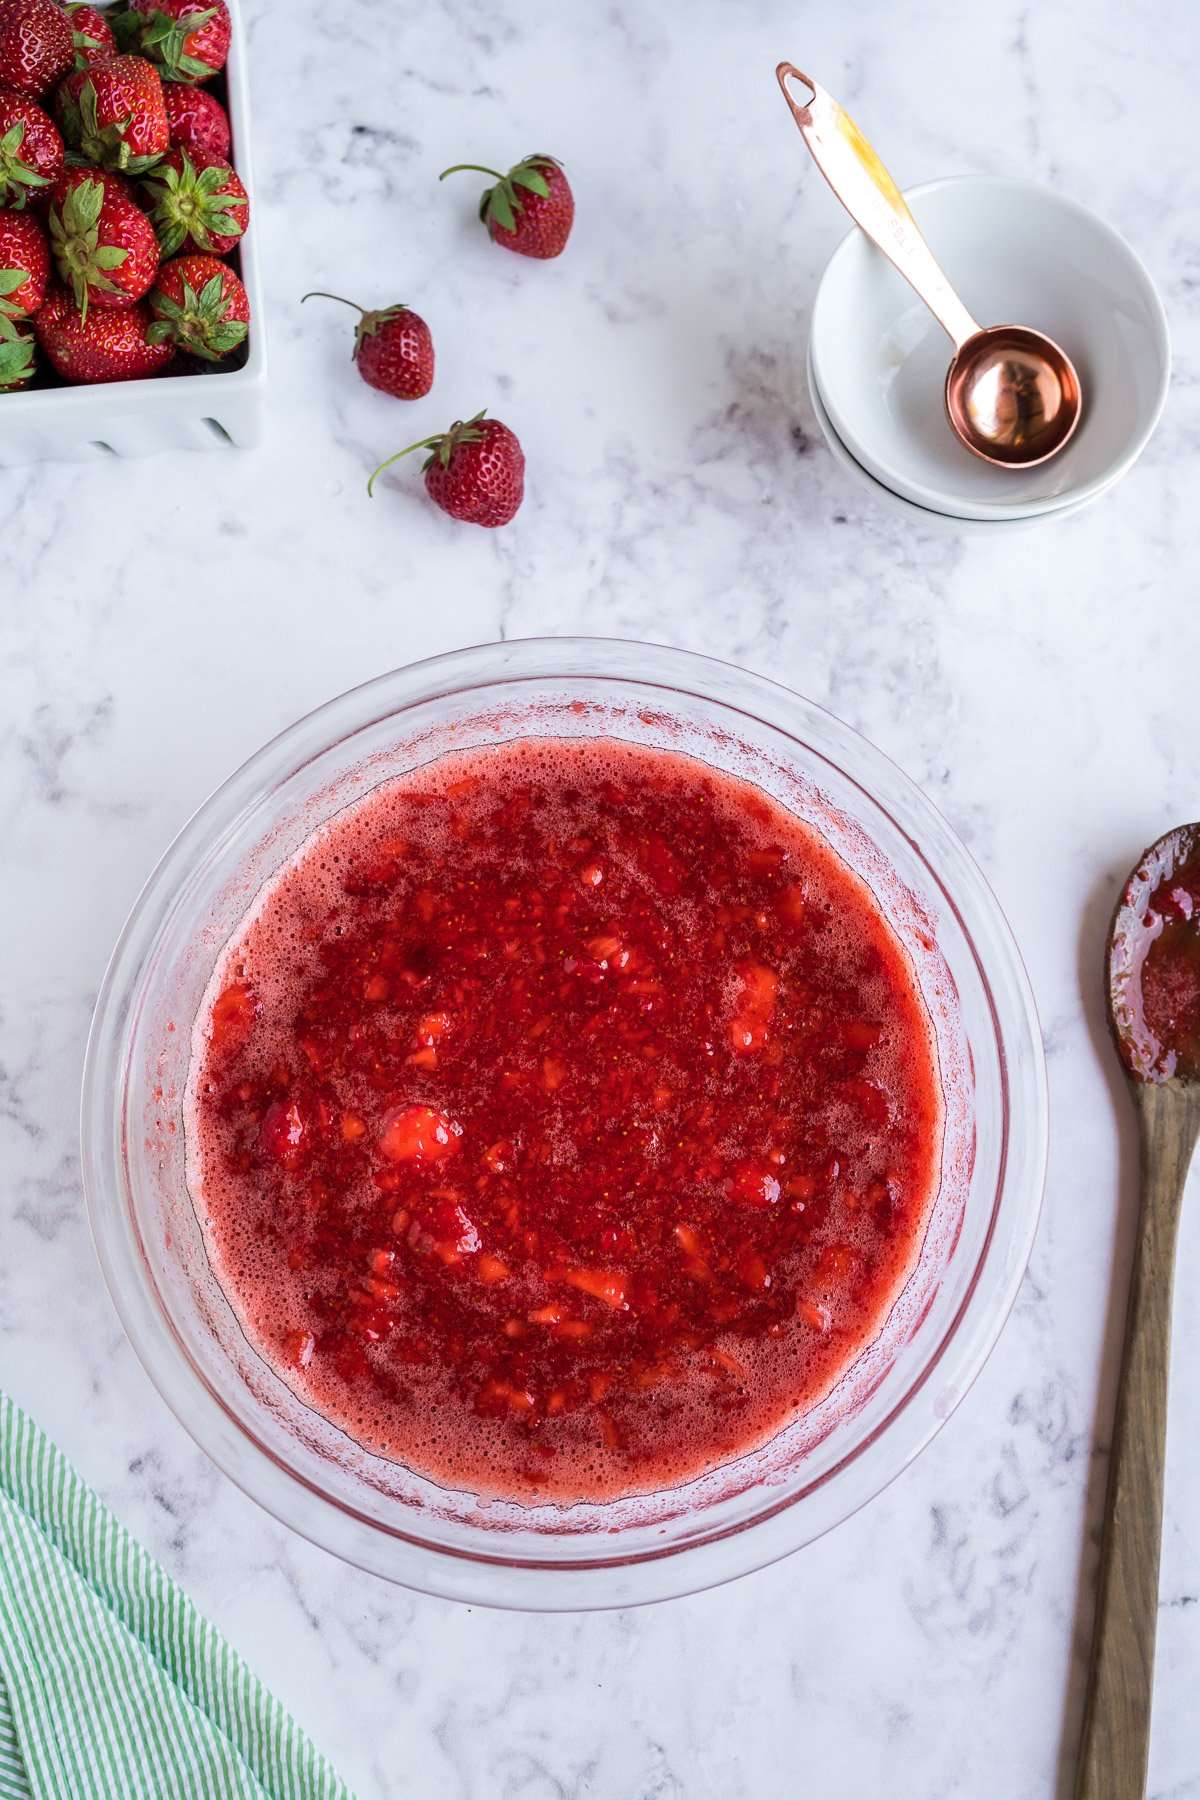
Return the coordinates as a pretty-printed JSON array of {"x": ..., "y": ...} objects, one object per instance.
[
  {"x": 924, "y": 516},
  {"x": 1018, "y": 253}
]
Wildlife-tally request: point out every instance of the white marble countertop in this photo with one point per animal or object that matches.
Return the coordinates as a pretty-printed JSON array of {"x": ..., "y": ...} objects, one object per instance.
[{"x": 159, "y": 620}]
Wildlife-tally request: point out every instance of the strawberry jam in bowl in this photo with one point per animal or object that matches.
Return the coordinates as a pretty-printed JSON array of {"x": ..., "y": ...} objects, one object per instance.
[{"x": 564, "y": 1124}]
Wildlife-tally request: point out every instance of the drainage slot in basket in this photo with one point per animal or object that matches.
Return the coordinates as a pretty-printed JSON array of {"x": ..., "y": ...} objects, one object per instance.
[
  {"x": 106, "y": 449},
  {"x": 218, "y": 430}
]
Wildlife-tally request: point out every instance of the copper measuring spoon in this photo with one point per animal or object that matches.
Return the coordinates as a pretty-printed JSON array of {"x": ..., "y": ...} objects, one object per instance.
[
  {"x": 1012, "y": 394},
  {"x": 1156, "y": 1024}
]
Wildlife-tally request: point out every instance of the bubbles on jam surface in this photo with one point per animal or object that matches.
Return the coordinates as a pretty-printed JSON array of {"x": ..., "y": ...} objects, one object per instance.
[{"x": 565, "y": 1119}]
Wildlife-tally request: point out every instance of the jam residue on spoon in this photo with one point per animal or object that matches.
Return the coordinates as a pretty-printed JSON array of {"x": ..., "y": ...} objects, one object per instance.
[{"x": 1154, "y": 961}]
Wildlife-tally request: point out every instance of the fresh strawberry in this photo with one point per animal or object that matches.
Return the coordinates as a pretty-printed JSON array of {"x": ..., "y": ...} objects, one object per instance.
[
  {"x": 113, "y": 114},
  {"x": 393, "y": 348},
  {"x": 188, "y": 40},
  {"x": 31, "y": 151},
  {"x": 196, "y": 203},
  {"x": 200, "y": 305},
  {"x": 196, "y": 119},
  {"x": 474, "y": 471},
  {"x": 530, "y": 209},
  {"x": 106, "y": 346},
  {"x": 103, "y": 244},
  {"x": 92, "y": 33},
  {"x": 35, "y": 45},
  {"x": 18, "y": 362},
  {"x": 24, "y": 265}
]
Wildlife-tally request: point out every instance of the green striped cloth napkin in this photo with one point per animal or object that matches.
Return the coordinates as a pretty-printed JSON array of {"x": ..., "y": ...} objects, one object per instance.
[{"x": 112, "y": 1687}]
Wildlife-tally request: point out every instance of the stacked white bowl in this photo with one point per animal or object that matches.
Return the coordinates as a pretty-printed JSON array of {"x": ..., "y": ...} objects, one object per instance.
[{"x": 1018, "y": 254}]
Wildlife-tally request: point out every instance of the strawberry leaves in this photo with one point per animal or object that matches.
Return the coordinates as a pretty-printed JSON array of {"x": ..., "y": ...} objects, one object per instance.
[
  {"x": 503, "y": 202},
  {"x": 18, "y": 180},
  {"x": 82, "y": 260},
  {"x": 199, "y": 321},
  {"x": 500, "y": 205},
  {"x": 374, "y": 321},
  {"x": 496, "y": 204},
  {"x": 459, "y": 433},
  {"x": 11, "y": 281},
  {"x": 105, "y": 146},
  {"x": 192, "y": 204},
  {"x": 85, "y": 43},
  {"x": 17, "y": 361},
  {"x": 164, "y": 41},
  {"x": 92, "y": 35}
]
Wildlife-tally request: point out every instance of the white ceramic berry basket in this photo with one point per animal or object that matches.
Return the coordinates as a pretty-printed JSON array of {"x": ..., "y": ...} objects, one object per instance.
[{"x": 201, "y": 411}]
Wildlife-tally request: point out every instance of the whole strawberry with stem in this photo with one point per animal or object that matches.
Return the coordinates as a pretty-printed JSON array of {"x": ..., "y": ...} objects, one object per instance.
[
  {"x": 530, "y": 210},
  {"x": 103, "y": 244},
  {"x": 393, "y": 348},
  {"x": 196, "y": 203},
  {"x": 113, "y": 114},
  {"x": 106, "y": 346},
  {"x": 31, "y": 151},
  {"x": 199, "y": 305},
  {"x": 188, "y": 40},
  {"x": 475, "y": 471},
  {"x": 24, "y": 265},
  {"x": 92, "y": 33},
  {"x": 18, "y": 360},
  {"x": 36, "y": 47},
  {"x": 196, "y": 119}
]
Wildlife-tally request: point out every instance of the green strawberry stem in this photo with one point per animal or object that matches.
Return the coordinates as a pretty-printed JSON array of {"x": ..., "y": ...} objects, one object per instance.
[
  {"x": 320, "y": 294},
  {"x": 430, "y": 443},
  {"x": 475, "y": 168},
  {"x": 370, "y": 320},
  {"x": 499, "y": 205},
  {"x": 442, "y": 446}
]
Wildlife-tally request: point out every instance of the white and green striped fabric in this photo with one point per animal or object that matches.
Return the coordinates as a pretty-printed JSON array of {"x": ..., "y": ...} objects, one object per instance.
[{"x": 112, "y": 1687}]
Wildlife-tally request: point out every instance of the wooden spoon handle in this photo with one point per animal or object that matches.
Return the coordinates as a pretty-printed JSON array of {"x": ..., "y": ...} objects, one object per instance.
[{"x": 1116, "y": 1723}]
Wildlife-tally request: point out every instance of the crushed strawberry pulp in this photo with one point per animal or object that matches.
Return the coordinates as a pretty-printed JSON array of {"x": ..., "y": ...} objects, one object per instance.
[
  {"x": 565, "y": 1118},
  {"x": 1170, "y": 974}
]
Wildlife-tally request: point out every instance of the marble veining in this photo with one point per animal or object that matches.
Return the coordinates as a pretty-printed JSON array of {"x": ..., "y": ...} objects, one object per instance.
[{"x": 158, "y": 621}]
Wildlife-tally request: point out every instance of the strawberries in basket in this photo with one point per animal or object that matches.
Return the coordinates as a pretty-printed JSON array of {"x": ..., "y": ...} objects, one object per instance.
[{"x": 120, "y": 201}]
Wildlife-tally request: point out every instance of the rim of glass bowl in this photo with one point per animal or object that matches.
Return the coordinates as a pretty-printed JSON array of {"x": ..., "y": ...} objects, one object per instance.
[{"x": 780, "y": 1526}]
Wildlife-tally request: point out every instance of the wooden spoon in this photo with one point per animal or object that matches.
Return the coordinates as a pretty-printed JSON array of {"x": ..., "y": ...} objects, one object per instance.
[{"x": 1153, "y": 980}]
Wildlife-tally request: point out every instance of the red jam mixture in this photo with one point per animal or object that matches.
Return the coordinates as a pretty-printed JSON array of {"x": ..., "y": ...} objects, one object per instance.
[
  {"x": 565, "y": 1119},
  {"x": 1157, "y": 967}
]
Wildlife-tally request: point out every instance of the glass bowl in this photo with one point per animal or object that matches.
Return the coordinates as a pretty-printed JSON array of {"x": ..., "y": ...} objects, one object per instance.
[{"x": 822, "y": 1466}]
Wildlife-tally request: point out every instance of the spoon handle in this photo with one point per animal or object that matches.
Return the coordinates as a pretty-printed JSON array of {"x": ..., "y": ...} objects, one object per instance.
[
  {"x": 1116, "y": 1721},
  {"x": 873, "y": 200}
]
